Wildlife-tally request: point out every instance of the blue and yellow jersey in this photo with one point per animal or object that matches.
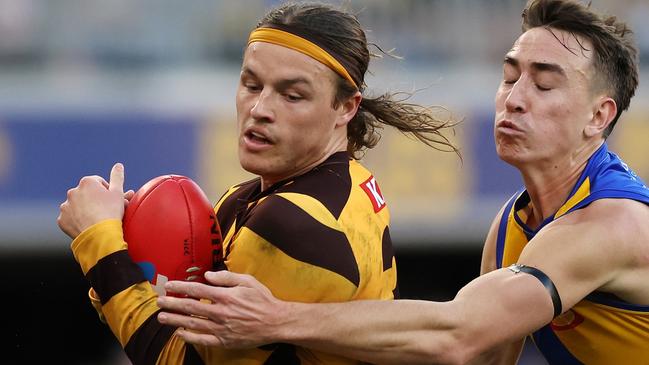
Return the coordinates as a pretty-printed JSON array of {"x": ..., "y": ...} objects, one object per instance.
[
  {"x": 600, "y": 329},
  {"x": 319, "y": 237}
]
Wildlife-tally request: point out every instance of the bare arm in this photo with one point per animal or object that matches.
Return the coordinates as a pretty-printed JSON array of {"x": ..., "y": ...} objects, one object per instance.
[
  {"x": 579, "y": 252},
  {"x": 507, "y": 353},
  {"x": 245, "y": 314}
]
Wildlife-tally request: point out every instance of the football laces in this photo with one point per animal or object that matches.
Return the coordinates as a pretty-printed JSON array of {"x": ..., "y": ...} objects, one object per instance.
[{"x": 191, "y": 270}]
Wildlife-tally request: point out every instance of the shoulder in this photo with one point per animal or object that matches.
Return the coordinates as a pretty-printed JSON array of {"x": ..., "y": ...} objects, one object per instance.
[
  {"x": 608, "y": 227},
  {"x": 619, "y": 225},
  {"x": 330, "y": 184},
  {"x": 618, "y": 219},
  {"x": 593, "y": 248},
  {"x": 226, "y": 206}
]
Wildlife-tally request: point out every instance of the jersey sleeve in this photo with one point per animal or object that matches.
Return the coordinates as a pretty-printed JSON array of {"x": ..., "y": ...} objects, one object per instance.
[
  {"x": 121, "y": 295},
  {"x": 126, "y": 301}
]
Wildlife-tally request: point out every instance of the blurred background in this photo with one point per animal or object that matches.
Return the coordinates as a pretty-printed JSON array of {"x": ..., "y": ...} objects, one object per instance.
[{"x": 151, "y": 83}]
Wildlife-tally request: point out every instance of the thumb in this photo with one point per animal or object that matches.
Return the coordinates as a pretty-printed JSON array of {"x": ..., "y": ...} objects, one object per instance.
[{"x": 116, "y": 182}]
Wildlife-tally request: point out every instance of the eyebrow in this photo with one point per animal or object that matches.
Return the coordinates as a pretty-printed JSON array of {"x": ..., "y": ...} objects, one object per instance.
[
  {"x": 538, "y": 66},
  {"x": 281, "y": 84}
]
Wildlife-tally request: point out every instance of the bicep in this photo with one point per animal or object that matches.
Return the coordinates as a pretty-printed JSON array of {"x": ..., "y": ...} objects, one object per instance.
[
  {"x": 578, "y": 253},
  {"x": 502, "y": 307}
]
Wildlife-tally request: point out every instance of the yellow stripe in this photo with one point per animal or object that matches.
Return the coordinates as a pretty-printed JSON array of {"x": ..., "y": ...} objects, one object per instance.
[
  {"x": 127, "y": 310},
  {"x": 297, "y": 43},
  {"x": 314, "y": 208},
  {"x": 286, "y": 277},
  {"x": 619, "y": 336},
  {"x": 581, "y": 194},
  {"x": 225, "y": 196},
  {"x": 515, "y": 240},
  {"x": 97, "y": 242}
]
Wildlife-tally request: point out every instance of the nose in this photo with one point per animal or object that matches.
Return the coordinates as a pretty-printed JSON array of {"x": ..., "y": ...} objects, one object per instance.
[
  {"x": 263, "y": 107},
  {"x": 516, "y": 99}
]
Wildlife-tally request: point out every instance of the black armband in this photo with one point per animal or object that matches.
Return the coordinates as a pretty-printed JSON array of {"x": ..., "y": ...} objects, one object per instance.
[{"x": 545, "y": 280}]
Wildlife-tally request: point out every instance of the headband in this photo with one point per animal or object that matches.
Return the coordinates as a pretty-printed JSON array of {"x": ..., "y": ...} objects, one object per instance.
[{"x": 302, "y": 45}]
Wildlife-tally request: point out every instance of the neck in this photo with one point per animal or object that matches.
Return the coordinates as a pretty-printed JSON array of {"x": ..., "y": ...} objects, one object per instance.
[
  {"x": 336, "y": 144},
  {"x": 549, "y": 184}
]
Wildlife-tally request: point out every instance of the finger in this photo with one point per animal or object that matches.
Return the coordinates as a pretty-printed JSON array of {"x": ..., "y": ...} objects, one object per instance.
[
  {"x": 199, "y": 338},
  {"x": 117, "y": 178},
  {"x": 129, "y": 195},
  {"x": 103, "y": 182},
  {"x": 191, "y": 289},
  {"x": 184, "y": 306},
  {"x": 92, "y": 179},
  {"x": 229, "y": 279},
  {"x": 190, "y": 322}
]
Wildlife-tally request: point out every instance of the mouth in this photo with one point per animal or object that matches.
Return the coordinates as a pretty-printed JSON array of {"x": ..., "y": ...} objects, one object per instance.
[
  {"x": 507, "y": 125},
  {"x": 255, "y": 138}
]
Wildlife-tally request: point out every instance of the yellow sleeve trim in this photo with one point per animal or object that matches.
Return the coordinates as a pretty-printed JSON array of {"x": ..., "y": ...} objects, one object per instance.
[
  {"x": 98, "y": 241},
  {"x": 126, "y": 311}
]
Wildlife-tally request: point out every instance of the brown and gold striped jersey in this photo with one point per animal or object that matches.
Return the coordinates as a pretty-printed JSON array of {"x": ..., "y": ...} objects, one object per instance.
[{"x": 320, "y": 237}]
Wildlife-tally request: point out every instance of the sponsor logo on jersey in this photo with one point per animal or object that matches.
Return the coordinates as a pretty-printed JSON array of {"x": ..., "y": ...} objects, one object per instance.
[
  {"x": 373, "y": 191},
  {"x": 566, "y": 321}
]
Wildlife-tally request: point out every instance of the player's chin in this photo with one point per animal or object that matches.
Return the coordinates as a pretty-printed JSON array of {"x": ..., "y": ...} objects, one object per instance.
[
  {"x": 510, "y": 153},
  {"x": 256, "y": 164}
]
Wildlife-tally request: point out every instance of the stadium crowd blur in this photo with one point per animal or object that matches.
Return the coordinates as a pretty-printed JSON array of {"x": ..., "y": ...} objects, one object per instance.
[{"x": 151, "y": 83}]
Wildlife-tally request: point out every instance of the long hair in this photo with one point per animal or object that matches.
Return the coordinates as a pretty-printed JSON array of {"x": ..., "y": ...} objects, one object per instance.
[
  {"x": 616, "y": 57},
  {"x": 341, "y": 33}
]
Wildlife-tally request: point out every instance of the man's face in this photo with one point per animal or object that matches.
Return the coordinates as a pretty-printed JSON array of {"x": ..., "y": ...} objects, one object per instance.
[
  {"x": 286, "y": 120},
  {"x": 544, "y": 100}
]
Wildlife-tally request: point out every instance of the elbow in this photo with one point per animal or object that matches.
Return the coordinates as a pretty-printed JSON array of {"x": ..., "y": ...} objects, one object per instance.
[
  {"x": 464, "y": 344},
  {"x": 454, "y": 351},
  {"x": 457, "y": 344},
  {"x": 450, "y": 347}
]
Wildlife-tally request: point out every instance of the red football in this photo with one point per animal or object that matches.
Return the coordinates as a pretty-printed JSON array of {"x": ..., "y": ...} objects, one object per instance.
[{"x": 171, "y": 231}]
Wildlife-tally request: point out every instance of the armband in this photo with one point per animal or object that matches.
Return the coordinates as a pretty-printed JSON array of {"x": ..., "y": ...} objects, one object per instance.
[{"x": 545, "y": 280}]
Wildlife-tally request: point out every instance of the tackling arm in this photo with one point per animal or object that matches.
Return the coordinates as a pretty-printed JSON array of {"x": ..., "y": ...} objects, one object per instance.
[
  {"x": 579, "y": 252},
  {"x": 489, "y": 311}
]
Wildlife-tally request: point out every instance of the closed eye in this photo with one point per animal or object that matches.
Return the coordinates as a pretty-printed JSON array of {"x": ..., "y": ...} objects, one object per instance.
[{"x": 293, "y": 97}]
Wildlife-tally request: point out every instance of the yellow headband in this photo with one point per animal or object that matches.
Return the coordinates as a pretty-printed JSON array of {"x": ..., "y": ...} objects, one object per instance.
[{"x": 289, "y": 40}]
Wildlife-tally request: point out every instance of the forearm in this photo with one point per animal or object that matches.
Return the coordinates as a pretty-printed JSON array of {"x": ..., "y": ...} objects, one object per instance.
[
  {"x": 492, "y": 310},
  {"x": 386, "y": 332},
  {"x": 120, "y": 292}
]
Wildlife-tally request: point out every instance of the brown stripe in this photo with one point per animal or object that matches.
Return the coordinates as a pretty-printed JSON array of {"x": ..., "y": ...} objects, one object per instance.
[
  {"x": 114, "y": 273},
  {"x": 147, "y": 342},
  {"x": 302, "y": 237},
  {"x": 191, "y": 356},
  {"x": 388, "y": 251},
  {"x": 225, "y": 215},
  {"x": 284, "y": 354},
  {"x": 329, "y": 182}
]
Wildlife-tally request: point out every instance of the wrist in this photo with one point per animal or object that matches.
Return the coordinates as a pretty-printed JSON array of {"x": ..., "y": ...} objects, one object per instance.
[{"x": 290, "y": 328}]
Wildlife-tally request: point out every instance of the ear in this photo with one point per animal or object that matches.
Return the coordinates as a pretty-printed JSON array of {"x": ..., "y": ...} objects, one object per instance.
[
  {"x": 347, "y": 110},
  {"x": 604, "y": 112}
]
